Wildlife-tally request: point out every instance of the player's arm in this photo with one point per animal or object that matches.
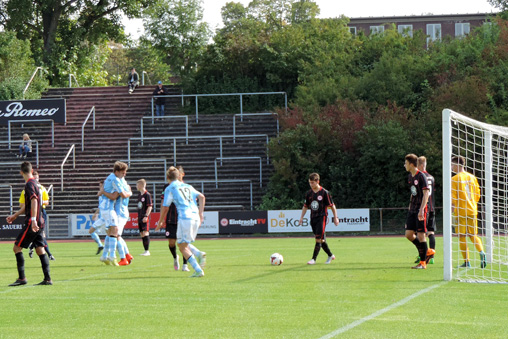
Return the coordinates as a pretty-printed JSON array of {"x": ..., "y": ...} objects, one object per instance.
[
  {"x": 425, "y": 199},
  {"x": 335, "y": 217},
  {"x": 13, "y": 217},
  {"x": 162, "y": 218},
  {"x": 127, "y": 193},
  {"x": 201, "y": 199},
  {"x": 95, "y": 215},
  {"x": 147, "y": 214},
  {"x": 33, "y": 209},
  {"x": 111, "y": 196},
  {"x": 304, "y": 210}
]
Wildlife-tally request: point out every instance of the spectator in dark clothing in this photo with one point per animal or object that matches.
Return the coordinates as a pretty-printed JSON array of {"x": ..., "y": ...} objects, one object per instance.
[
  {"x": 133, "y": 80},
  {"x": 160, "y": 101}
]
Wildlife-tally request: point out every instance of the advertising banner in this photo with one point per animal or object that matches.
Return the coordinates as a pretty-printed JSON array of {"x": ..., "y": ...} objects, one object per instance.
[
  {"x": 243, "y": 222},
  {"x": 33, "y": 110},
  {"x": 11, "y": 231},
  {"x": 211, "y": 223},
  {"x": 81, "y": 223},
  {"x": 350, "y": 220}
]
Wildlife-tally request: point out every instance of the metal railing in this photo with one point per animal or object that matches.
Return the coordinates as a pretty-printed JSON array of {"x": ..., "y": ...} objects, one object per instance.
[
  {"x": 83, "y": 127},
  {"x": 10, "y": 196},
  {"x": 168, "y": 117},
  {"x": 30, "y": 121},
  {"x": 143, "y": 78},
  {"x": 71, "y": 76},
  {"x": 220, "y": 137},
  {"x": 196, "y": 96},
  {"x": 32, "y": 78},
  {"x": 202, "y": 182},
  {"x": 251, "y": 114},
  {"x": 15, "y": 162},
  {"x": 51, "y": 190},
  {"x": 239, "y": 158},
  {"x": 148, "y": 160},
  {"x": 73, "y": 150}
]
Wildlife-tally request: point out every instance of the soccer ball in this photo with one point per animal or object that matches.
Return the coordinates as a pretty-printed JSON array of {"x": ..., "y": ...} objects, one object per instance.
[{"x": 276, "y": 259}]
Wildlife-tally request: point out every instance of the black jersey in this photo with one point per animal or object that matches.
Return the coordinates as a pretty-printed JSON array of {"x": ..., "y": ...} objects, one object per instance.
[
  {"x": 431, "y": 184},
  {"x": 32, "y": 191},
  {"x": 318, "y": 202},
  {"x": 417, "y": 184},
  {"x": 172, "y": 216},
  {"x": 144, "y": 201}
]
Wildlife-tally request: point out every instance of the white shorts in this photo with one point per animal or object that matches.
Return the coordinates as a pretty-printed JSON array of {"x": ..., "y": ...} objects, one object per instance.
[
  {"x": 100, "y": 224},
  {"x": 110, "y": 217},
  {"x": 121, "y": 224},
  {"x": 187, "y": 230}
]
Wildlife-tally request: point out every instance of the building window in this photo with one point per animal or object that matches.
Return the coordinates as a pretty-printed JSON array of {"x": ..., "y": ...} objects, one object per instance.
[
  {"x": 405, "y": 30},
  {"x": 377, "y": 29},
  {"x": 433, "y": 32},
  {"x": 461, "y": 29},
  {"x": 352, "y": 30}
]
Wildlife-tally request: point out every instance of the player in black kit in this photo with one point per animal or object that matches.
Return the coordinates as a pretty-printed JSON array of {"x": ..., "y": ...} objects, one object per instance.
[
  {"x": 319, "y": 200},
  {"x": 431, "y": 211},
  {"x": 33, "y": 228},
  {"x": 144, "y": 209},
  {"x": 417, "y": 215}
]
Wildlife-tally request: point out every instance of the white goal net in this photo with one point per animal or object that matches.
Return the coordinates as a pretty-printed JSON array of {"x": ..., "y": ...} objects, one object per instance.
[{"x": 485, "y": 150}]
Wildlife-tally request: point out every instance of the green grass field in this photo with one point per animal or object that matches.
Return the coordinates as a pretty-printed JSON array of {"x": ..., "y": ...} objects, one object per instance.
[{"x": 368, "y": 292}]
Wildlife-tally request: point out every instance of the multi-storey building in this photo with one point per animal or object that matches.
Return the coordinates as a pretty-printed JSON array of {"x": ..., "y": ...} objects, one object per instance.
[{"x": 435, "y": 27}]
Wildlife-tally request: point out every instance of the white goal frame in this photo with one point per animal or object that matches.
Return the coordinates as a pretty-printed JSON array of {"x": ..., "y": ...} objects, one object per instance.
[{"x": 484, "y": 138}]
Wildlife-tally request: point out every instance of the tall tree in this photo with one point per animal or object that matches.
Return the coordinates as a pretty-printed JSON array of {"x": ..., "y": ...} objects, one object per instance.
[
  {"x": 176, "y": 29},
  {"x": 58, "y": 28}
]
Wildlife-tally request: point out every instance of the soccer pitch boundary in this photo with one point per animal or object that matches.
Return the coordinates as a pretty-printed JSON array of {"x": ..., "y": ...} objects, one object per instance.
[{"x": 382, "y": 311}]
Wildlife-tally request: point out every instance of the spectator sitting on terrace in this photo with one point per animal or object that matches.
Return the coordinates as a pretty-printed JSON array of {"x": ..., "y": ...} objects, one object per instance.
[
  {"x": 25, "y": 147},
  {"x": 133, "y": 80}
]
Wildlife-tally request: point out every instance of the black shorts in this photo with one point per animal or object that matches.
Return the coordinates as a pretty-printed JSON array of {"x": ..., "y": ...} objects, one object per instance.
[
  {"x": 27, "y": 236},
  {"x": 143, "y": 227},
  {"x": 318, "y": 225},
  {"x": 414, "y": 224},
  {"x": 171, "y": 231},
  {"x": 431, "y": 222}
]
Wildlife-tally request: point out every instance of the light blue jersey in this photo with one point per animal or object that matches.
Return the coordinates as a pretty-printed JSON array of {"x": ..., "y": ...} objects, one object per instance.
[
  {"x": 184, "y": 197},
  {"x": 111, "y": 184},
  {"x": 122, "y": 204}
]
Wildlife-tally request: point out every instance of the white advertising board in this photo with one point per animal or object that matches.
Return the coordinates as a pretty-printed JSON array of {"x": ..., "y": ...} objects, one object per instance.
[
  {"x": 211, "y": 223},
  {"x": 288, "y": 221}
]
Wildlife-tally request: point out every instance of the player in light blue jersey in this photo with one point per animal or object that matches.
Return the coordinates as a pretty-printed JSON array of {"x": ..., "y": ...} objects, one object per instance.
[
  {"x": 190, "y": 216},
  {"x": 110, "y": 191},
  {"x": 99, "y": 224},
  {"x": 122, "y": 211}
]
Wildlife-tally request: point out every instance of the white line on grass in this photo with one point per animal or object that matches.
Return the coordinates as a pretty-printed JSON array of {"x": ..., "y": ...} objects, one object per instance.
[{"x": 380, "y": 312}]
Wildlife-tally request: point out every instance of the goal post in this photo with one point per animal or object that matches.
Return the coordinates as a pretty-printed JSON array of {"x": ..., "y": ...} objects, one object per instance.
[{"x": 485, "y": 149}]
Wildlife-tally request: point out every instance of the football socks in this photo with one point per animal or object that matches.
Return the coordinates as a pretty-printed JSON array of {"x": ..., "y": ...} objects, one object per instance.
[
  {"x": 96, "y": 238},
  {"x": 121, "y": 248},
  {"x": 45, "y": 266},
  {"x": 146, "y": 242},
  {"x": 317, "y": 248},
  {"x": 192, "y": 261},
  {"x": 326, "y": 249},
  {"x": 20, "y": 261},
  {"x": 432, "y": 241},
  {"x": 173, "y": 251},
  {"x": 106, "y": 249}
]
